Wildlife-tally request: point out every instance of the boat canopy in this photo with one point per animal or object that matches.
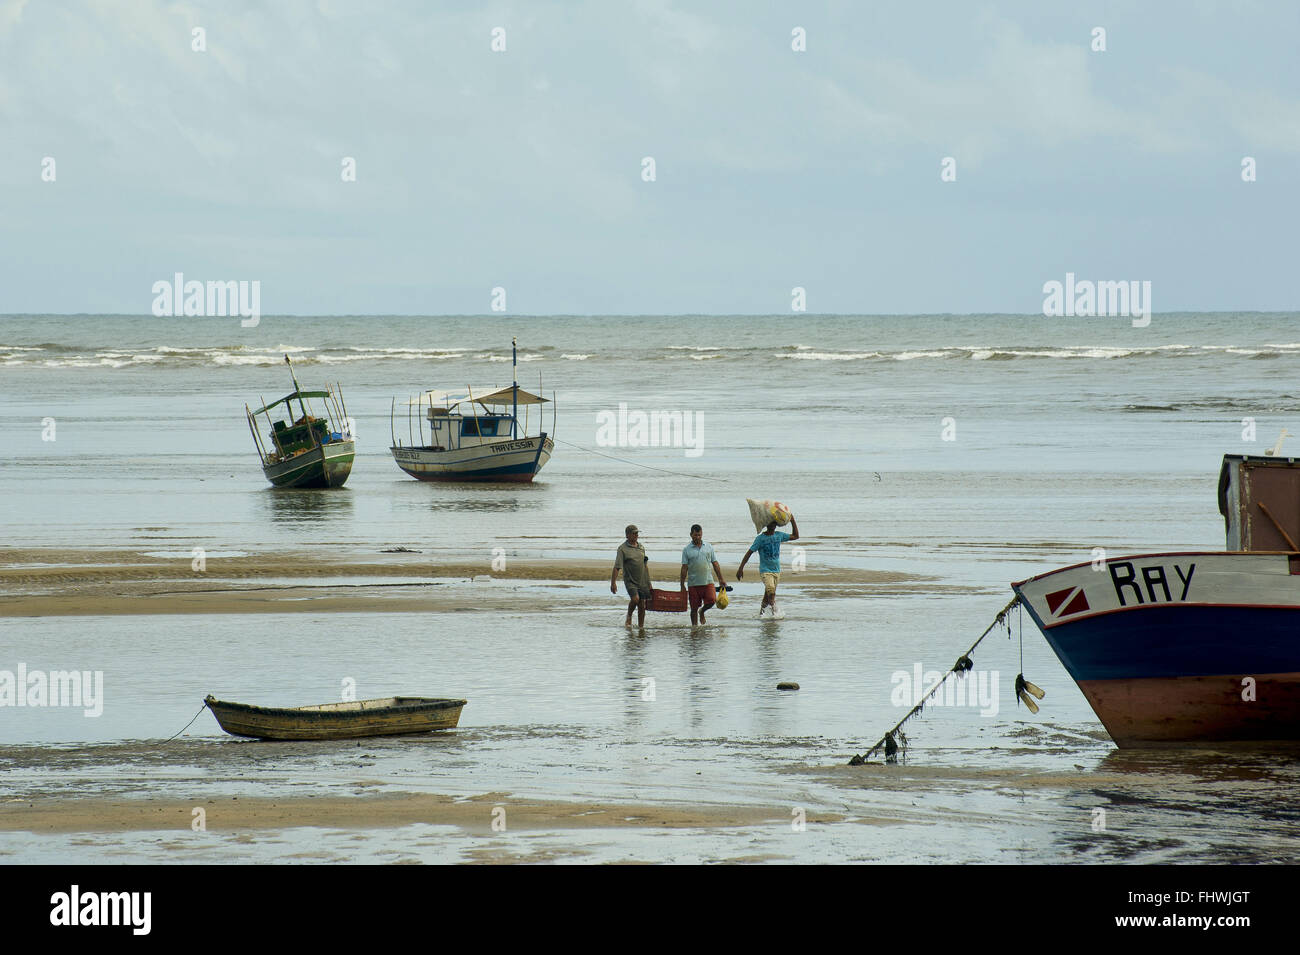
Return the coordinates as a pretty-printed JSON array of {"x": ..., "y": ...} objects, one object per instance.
[
  {"x": 481, "y": 396},
  {"x": 287, "y": 398}
]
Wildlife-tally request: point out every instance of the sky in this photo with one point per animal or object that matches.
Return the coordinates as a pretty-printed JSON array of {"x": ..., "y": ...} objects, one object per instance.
[{"x": 524, "y": 168}]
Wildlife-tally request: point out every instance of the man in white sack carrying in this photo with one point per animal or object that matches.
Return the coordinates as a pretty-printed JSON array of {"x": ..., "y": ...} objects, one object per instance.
[{"x": 768, "y": 547}]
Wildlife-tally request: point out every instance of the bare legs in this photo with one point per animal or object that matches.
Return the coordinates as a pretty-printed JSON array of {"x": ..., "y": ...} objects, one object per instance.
[{"x": 639, "y": 605}]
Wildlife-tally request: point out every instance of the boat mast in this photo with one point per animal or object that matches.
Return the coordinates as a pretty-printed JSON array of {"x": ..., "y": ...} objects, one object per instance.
[
  {"x": 514, "y": 375},
  {"x": 252, "y": 426},
  {"x": 296, "y": 389}
]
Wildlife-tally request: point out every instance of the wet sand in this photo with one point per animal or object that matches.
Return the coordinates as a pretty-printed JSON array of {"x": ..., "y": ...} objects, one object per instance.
[
  {"x": 387, "y": 810},
  {"x": 43, "y": 582}
]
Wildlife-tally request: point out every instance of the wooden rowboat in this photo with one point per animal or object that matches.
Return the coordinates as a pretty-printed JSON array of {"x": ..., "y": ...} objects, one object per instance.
[{"x": 389, "y": 716}]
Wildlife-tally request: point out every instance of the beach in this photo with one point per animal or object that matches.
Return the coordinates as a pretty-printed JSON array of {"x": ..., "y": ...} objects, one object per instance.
[
  {"x": 45, "y": 583},
  {"x": 144, "y": 548}
]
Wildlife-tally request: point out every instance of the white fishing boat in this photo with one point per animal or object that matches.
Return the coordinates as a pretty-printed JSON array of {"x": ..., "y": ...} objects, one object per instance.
[{"x": 466, "y": 435}]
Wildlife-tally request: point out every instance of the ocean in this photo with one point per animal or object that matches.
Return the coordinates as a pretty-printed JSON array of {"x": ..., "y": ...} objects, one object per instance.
[{"x": 956, "y": 452}]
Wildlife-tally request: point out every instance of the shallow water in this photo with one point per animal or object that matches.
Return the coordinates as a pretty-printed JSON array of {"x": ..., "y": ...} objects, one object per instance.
[
  {"x": 973, "y": 787},
  {"x": 1067, "y": 438}
]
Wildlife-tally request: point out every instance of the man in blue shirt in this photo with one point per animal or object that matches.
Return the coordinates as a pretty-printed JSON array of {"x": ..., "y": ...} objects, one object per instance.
[
  {"x": 697, "y": 561},
  {"x": 768, "y": 546}
]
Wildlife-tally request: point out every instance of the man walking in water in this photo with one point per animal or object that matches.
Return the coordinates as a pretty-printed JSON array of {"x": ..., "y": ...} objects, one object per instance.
[
  {"x": 631, "y": 559},
  {"x": 768, "y": 545},
  {"x": 697, "y": 560}
]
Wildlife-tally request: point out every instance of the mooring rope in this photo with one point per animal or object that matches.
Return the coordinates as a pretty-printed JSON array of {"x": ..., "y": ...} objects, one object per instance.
[
  {"x": 963, "y": 663},
  {"x": 187, "y": 725},
  {"x": 698, "y": 477}
]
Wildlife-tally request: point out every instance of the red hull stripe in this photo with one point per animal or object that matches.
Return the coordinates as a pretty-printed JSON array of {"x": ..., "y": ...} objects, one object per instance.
[{"x": 1191, "y": 710}]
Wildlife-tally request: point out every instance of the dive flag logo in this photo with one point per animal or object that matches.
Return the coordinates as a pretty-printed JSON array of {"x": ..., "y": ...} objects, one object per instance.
[{"x": 1065, "y": 602}]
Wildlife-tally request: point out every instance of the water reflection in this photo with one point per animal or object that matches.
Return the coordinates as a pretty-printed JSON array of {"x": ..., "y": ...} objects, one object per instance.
[
  {"x": 483, "y": 504},
  {"x": 306, "y": 505},
  {"x": 1217, "y": 804},
  {"x": 635, "y": 676},
  {"x": 701, "y": 655},
  {"x": 471, "y": 497},
  {"x": 1221, "y": 762},
  {"x": 769, "y": 701}
]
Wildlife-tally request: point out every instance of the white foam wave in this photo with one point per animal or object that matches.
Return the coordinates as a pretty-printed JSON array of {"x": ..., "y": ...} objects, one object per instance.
[
  {"x": 247, "y": 359},
  {"x": 707, "y": 347},
  {"x": 834, "y": 356},
  {"x": 409, "y": 350},
  {"x": 82, "y": 363}
]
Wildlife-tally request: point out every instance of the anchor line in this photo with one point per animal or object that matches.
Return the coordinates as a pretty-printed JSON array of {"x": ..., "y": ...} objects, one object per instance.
[
  {"x": 963, "y": 663},
  {"x": 187, "y": 725},
  {"x": 698, "y": 477}
]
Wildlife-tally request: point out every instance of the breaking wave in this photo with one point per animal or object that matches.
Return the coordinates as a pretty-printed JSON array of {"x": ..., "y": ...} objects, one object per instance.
[{"x": 55, "y": 355}]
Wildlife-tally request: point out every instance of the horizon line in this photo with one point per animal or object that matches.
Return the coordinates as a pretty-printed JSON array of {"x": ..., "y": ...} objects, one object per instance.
[{"x": 1228, "y": 311}]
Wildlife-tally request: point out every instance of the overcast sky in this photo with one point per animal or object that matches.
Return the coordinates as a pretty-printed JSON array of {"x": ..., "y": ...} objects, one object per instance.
[{"x": 523, "y": 168}]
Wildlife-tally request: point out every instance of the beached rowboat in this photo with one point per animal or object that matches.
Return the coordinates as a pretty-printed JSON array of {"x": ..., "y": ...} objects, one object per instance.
[{"x": 389, "y": 716}]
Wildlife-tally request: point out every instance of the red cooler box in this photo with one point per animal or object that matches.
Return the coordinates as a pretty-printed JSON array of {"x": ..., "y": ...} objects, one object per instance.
[{"x": 669, "y": 601}]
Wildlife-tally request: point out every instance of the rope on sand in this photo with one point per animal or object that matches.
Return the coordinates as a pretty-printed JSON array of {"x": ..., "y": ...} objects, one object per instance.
[
  {"x": 962, "y": 665},
  {"x": 698, "y": 477}
]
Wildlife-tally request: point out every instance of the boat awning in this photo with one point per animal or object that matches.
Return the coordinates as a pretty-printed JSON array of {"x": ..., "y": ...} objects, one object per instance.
[
  {"x": 288, "y": 398},
  {"x": 483, "y": 396}
]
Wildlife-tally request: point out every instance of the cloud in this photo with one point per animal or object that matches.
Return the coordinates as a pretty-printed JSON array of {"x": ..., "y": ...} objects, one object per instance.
[
  {"x": 11, "y": 14},
  {"x": 475, "y": 163}
]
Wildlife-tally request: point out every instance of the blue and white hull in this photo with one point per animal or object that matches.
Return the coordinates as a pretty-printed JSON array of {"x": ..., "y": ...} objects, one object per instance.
[
  {"x": 1179, "y": 648},
  {"x": 509, "y": 459}
]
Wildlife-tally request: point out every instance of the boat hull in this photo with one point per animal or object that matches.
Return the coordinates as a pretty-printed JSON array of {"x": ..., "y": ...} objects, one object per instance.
[
  {"x": 393, "y": 716},
  {"x": 328, "y": 465},
  {"x": 1172, "y": 711},
  {"x": 1179, "y": 649},
  {"x": 516, "y": 460}
]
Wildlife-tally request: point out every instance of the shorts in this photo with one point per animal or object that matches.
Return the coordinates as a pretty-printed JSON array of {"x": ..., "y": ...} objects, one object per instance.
[
  {"x": 703, "y": 594},
  {"x": 769, "y": 583},
  {"x": 635, "y": 592}
]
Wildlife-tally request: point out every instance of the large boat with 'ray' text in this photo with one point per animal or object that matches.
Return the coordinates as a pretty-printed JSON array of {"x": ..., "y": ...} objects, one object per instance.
[{"x": 1190, "y": 647}]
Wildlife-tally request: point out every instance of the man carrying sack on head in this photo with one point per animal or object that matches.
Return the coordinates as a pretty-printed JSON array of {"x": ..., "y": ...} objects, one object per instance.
[{"x": 768, "y": 547}]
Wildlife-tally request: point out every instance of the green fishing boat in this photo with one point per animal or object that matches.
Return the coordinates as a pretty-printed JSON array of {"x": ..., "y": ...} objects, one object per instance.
[{"x": 310, "y": 451}]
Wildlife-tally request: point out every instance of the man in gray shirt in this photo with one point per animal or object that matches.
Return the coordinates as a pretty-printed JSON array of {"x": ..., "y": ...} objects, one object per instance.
[{"x": 631, "y": 559}]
